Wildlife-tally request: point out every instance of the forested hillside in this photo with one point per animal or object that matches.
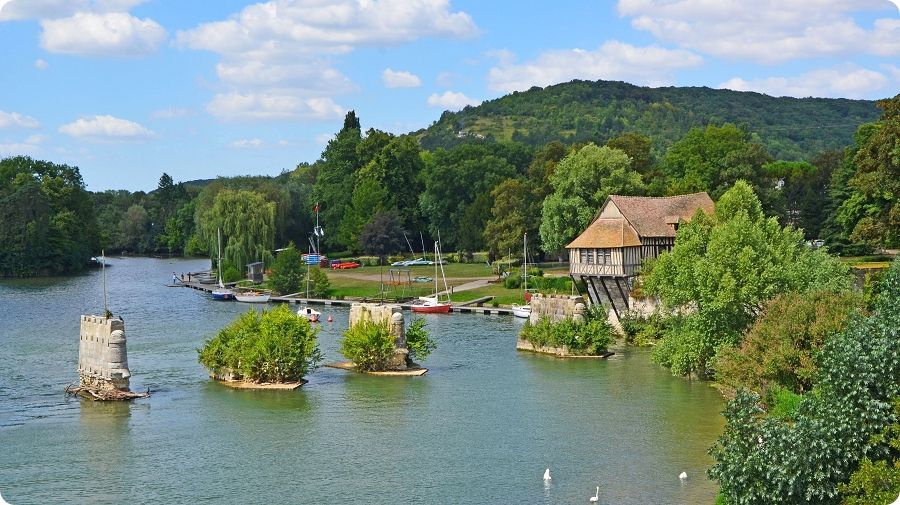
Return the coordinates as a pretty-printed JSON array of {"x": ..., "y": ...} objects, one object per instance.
[{"x": 585, "y": 111}]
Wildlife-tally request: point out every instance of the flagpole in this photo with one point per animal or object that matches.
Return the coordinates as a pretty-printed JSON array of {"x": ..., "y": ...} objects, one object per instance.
[{"x": 318, "y": 249}]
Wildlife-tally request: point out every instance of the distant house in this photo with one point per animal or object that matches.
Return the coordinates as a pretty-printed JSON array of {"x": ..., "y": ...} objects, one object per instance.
[
  {"x": 628, "y": 230},
  {"x": 255, "y": 272}
]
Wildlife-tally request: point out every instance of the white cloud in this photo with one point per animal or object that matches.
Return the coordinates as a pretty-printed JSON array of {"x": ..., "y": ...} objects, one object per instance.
[
  {"x": 767, "y": 31},
  {"x": 52, "y": 9},
  {"x": 400, "y": 79},
  {"x": 613, "y": 60},
  {"x": 323, "y": 138},
  {"x": 237, "y": 106},
  {"x": 41, "y": 64},
  {"x": 17, "y": 120},
  {"x": 111, "y": 34},
  {"x": 247, "y": 143},
  {"x": 277, "y": 57},
  {"x": 447, "y": 79},
  {"x": 106, "y": 128},
  {"x": 29, "y": 146},
  {"x": 170, "y": 113},
  {"x": 849, "y": 82},
  {"x": 451, "y": 100}
]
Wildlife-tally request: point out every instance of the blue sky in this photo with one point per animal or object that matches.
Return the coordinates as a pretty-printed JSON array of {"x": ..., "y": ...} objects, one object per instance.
[{"x": 129, "y": 89}]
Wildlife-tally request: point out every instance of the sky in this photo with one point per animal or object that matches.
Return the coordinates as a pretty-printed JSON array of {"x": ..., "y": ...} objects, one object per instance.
[{"x": 128, "y": 89}]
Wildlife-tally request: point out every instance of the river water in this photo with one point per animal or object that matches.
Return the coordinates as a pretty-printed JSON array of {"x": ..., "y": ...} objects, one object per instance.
[{"x": 479, "y": 428}]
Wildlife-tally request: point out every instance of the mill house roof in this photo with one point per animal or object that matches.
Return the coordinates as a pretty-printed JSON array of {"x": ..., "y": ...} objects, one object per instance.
[{"x": 624, "y": 220}]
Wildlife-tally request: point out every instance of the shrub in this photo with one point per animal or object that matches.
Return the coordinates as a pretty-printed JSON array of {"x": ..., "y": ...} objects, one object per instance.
[
  {"x": 288, "y": 271},
  {"x": 370, "y": 261},
  {"x": 784, "y": 403},
  {"x": 274, "y": 346},
  {"x": 319, "y": 285},
  {"x": 592, "y": 337},
  {"x": 418, "y": 340},
  {"x": 368, "y": 345},
  {"x": 231, "y": 273},
  {"x": 781, "y": 347}
]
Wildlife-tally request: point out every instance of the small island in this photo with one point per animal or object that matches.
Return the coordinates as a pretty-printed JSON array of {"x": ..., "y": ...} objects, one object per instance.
[
  {"x": 273, "y": 349},
  {"x": 562, "y": 326},
  {"x": 379, "y": 343}
]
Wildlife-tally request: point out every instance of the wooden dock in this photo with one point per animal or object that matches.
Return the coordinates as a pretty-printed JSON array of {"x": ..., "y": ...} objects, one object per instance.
[{"x": 461, "y": 308}]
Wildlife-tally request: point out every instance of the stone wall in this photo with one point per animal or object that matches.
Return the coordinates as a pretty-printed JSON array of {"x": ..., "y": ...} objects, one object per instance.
[
  {"x": 392, "y": 315},
  {"x": 556, "y": 307},
  {"x": 102, "y": 355}
]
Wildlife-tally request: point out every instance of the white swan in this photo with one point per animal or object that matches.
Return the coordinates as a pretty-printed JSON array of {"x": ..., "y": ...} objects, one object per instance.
[
  {"x": 3, "y": 502},
  {"x": 682, "y": 476},
  {"x": 596, "y": 496},
  {"x": 547, "y": 474},
  {"x": 897, "y": 501}
]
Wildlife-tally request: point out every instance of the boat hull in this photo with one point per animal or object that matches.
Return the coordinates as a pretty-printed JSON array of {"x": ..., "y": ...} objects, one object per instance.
[
  {"x": 441, "y": 308},
  {"x": 222, "y": 295},
  {"x": 523, "y": 311},
  {"x": 252, "y": 298}
]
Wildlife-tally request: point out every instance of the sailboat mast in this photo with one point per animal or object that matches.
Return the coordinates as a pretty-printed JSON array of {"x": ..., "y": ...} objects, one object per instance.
[
  {"x": 525, "y": 254},
  {"x": 103, "y": 268},
  {"x": 219, "y": 257}
]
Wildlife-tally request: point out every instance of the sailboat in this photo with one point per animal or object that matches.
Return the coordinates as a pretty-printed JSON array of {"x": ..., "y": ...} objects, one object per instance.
[
  {"x": 307, "y": 311},
  {"x": 524, "y": 311},
  {"x": 433, "y": 304},
  {"x": 221, "y": 292}
]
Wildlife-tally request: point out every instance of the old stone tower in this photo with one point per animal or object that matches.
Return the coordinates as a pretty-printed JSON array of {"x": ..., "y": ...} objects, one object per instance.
[{"x": 102, "y": 358}]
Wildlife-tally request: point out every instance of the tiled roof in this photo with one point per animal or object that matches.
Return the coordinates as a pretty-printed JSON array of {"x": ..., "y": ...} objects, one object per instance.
[
  {"x": 605, "y": 233},
  {"x": 650, "y": 215}
]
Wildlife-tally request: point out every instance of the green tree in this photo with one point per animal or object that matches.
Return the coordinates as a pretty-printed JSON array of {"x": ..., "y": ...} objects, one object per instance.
[
  {"x": 722, "y": 270},
  {"x": 288, "y": 271},
  {"x": 512, "y": 214},
  {"x": 47, "y": 220},
  {"x": 781, "y": 346},
  {"x": 135, "y": 227},
  {"x": 876, "y": 183},
  {"x": 369, "y": 345},
  {"x": 765, "y": 460},
  {"x": 369, "y": 198},
  {"x": 336, "y": 173},
  {"x": 247, "y": 222},
  {"x": 712, "y": 159},
  {"x": 581, "y": 183}
]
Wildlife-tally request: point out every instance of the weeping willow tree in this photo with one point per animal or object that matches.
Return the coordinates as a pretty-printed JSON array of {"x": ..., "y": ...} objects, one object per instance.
[{"x": 247, "y": 221}]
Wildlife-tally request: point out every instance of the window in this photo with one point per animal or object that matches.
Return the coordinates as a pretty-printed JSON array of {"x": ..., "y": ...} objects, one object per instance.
[
  {"x": 587, "y": 256},
  {"x": 604, "y": 256}
]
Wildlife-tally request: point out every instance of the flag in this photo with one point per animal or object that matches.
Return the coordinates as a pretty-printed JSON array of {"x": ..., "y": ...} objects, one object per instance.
[{"x": 316, "y": 208}]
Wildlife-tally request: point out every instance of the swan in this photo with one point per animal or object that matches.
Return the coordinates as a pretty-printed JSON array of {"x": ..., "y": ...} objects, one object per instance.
[
  {"x": 596, "y": 496},
  {"x": 682, "y": 476},
  {"x": 3, "y": 502},
  {"x": 547, "y": 474},
  {"x": 897, "y": 501}
]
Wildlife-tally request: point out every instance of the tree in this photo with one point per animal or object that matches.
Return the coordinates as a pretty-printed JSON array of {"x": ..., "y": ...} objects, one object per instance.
[
  {"x": 288, "y": 271},
  {"x": 722, "y": 270},
  {"x": 135, "y": 227},
  {"x": 781, "y": 346},
  {"x": 247, "y": 222},
  {"x": 876, "y": 184},
  {"x": 383, "y": 235},
  {"x": 47, "y": 220},
  {"x": 765, "y": 460},
  {"x": 712, "y": 159},
  {"x": 511, "y": 215},
  {"x": 581, "y": 183},
  {"x": 337, "y": 173}
]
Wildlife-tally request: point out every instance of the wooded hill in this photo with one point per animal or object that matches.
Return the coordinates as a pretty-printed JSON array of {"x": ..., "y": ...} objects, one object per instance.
[{"x": 595, "y": 111}]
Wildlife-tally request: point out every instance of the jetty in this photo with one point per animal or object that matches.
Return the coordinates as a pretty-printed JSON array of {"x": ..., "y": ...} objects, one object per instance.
[{"x": 460, "y": 308}]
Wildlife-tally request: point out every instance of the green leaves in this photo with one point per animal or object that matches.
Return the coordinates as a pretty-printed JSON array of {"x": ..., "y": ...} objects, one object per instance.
[
  {"x": 369, "y": 345},
  {"x": 274, "y": 346},
  {"x": 418, "y": 340}
]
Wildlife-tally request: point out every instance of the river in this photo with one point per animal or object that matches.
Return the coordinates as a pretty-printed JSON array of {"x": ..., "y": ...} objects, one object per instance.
[{"x": 479, "y": 428}]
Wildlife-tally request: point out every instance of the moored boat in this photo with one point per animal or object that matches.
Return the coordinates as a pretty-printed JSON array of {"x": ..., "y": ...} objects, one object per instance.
[
  {"x": 430, "y": 305},
  {"x": 252, "y": 297},
  {"x": 309, "y": 313},
  {"x": 523, "y": 311}
]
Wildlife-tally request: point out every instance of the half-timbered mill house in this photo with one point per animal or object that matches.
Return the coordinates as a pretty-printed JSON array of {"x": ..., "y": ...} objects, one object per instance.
[{"x": 627, "y": 230}]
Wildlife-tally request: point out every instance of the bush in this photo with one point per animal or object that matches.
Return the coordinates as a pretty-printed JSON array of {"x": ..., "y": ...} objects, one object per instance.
[
  {"x": 288, "y": 271},
  {"x": 369, "y": 345},
  {"x": 319, "y": 285},
  {"x": 370, "y": 261},
  {"x": 274, "y": 346},
  {"x": 780, "y": 348},
  {"x": 418, "y": 341},
  {"x": 196, "y": 247},
  {"x": 592, "y": 337},
  {"x": 784, "y": 403},
  {"x": 231, "y": 273}
]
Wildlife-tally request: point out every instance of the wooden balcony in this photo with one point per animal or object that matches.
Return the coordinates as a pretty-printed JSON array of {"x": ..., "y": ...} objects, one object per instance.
[{"x": 603, "y": 270}]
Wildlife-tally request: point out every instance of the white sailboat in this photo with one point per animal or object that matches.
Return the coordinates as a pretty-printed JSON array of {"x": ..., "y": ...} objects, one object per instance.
[
  {"x": 306, "y": 311},
  {"x": 524, "y": 311},
  {"x": 221, "y": 292},
  {"x": 433, "y": 304}
]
